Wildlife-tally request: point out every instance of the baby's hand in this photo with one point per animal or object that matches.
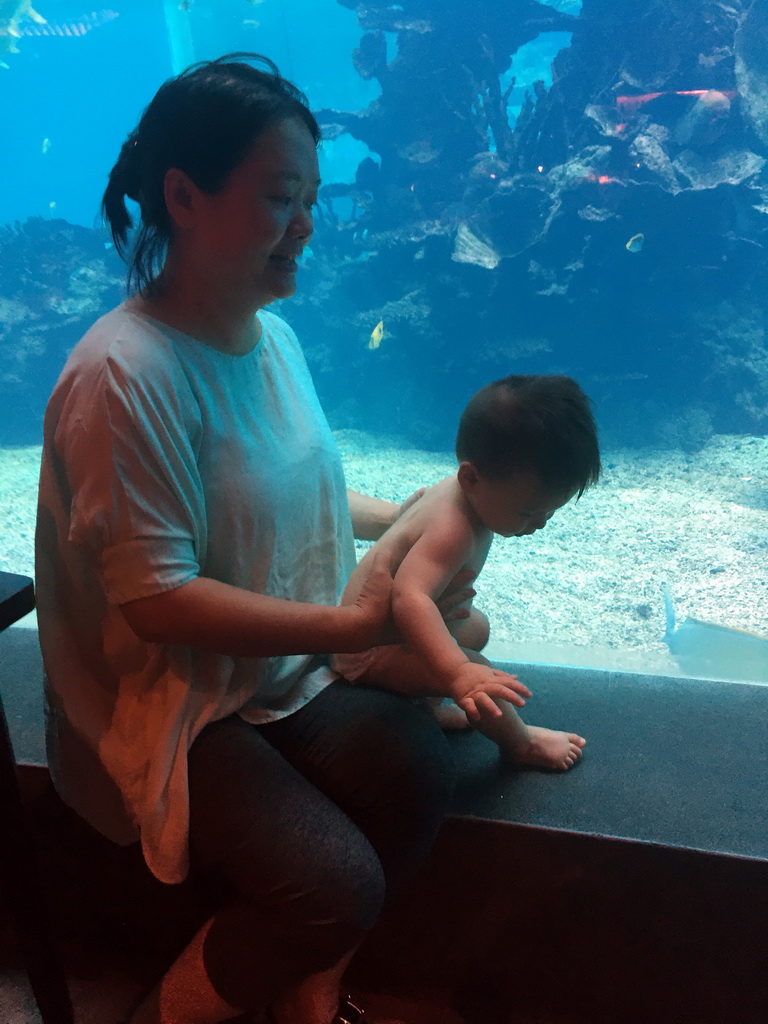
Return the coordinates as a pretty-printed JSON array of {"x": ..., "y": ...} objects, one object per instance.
[{"x": 475, "y": 686}]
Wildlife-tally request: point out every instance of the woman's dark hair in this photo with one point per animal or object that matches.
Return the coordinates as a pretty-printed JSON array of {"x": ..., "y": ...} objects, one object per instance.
[
  {"x": 202, "y": 122},
  {"x": 532, "y": 424}
]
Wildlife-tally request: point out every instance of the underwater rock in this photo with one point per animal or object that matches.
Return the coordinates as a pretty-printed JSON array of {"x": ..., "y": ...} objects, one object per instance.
[
  {"x": 590, "y": 163},
  {"x": 516, "y": 217},
  {"x": 484, "y": 172},
  {"x": 653, "y": 126},
  {"x": 370, "y": 58},
  {"x": 649, "y": 150},
  {"x": 454, "y": 105},
  {"x": 734, "y": 331},
  {"x": 55, "y": 279},
  {"x": 730, "y": 168},
  {"x": 751, "y": 67},
  {"x": 705, "y": 122},
  {"x": 596, "y": 213},
  {"x": 468, "y": 248}
]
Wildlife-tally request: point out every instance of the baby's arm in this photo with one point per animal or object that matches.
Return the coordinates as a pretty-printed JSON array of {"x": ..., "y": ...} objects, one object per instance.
[{"x": 423, "y": 574}]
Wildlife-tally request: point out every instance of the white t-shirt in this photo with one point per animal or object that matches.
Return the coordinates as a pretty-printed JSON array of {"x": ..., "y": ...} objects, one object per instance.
[{"x": 165, "y": 459}]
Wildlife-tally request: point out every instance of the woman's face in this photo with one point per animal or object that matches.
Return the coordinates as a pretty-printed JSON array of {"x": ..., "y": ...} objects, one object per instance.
[{"x": 250, "y": 233}]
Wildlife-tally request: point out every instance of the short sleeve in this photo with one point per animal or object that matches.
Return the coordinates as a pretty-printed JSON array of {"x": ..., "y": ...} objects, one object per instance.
[{"x": 138, "y": 504}]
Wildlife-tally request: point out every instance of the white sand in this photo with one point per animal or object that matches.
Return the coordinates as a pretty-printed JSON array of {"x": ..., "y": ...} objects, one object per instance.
[{"x": 594, "y": 577}]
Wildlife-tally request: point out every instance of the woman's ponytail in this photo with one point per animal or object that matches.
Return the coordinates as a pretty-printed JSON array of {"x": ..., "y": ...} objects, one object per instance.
[{"x": 123, "y": 181}]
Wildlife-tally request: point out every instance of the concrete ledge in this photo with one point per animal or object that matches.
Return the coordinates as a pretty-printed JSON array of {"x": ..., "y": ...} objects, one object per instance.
[{"x": 672, "y": 761}]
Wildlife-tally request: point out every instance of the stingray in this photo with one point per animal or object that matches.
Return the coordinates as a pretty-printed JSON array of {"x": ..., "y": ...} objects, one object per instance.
[{"x": 715, "y": 652}]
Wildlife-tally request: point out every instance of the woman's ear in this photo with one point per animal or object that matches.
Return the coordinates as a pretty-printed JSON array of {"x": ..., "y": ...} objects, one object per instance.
[{"x": 179, "y": 196}]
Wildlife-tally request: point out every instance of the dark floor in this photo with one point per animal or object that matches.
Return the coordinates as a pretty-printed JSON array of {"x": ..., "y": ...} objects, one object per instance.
[
  {"x": 116, "y": 927},
  {"x": 506, "y": 925}
]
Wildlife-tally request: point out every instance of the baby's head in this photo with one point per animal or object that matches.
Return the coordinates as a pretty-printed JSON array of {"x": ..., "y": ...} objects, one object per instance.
[{"x": 526, "y": 445}]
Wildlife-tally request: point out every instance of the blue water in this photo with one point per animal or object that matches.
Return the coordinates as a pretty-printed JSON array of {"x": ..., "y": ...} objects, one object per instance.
[
  {"x": 86, "y": 93},
  {"x": 484, "y": 218}
]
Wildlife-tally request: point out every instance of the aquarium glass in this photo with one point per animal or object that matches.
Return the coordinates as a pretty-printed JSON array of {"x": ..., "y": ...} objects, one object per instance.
[{"x": 563, "y": 187}]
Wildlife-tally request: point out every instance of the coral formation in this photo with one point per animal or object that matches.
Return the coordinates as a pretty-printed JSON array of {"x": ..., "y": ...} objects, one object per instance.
[
  {"x": 56, "y": 279},
  {"x": 615, "y": 229},
  {"x": 654, "y": 124}
]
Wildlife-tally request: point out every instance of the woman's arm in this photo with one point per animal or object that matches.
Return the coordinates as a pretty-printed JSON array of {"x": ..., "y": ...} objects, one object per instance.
[
  {"x": 371, "y": 517},
  {"x": 207, "y": 614}
]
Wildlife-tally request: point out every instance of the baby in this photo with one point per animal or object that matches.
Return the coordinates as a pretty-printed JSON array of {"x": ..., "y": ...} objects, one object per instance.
[{"x": 526, "y": 446}]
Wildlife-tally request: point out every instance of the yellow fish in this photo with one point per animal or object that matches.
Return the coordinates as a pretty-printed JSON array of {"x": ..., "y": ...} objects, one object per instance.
[
  {"x": 376, "y": 335},
  {"x": 635, "y": 244}
]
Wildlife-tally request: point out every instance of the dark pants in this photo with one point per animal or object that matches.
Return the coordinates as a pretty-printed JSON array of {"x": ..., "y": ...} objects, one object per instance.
[{"x": 310, "y": 824}]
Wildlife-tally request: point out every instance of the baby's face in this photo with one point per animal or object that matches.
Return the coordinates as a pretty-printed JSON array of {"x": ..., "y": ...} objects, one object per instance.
[{"x": 515, "y": 506}]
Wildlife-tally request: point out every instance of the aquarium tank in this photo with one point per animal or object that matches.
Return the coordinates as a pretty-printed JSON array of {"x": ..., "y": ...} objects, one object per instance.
[{"x": 509, "y": 186}]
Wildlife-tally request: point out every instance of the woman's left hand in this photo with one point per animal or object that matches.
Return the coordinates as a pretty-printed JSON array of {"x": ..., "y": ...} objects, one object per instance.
[
  {"x": 455, "y": 594},
  {"x": 373, "y": 607},
  {"x": 405, "y": 505}
]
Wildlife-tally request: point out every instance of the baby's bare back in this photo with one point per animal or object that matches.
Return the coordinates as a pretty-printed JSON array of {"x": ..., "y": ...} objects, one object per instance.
[{"x": 441, "y": 507}]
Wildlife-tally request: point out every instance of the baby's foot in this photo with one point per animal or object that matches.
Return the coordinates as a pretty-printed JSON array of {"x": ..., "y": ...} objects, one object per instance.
[
  {"x": 547, "y": 748},
  {"x": 449, "y": 715}
]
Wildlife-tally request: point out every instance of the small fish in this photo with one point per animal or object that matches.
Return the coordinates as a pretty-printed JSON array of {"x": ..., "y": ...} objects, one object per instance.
[
  {"x": 52, "y": 205},
  {"x": 631, "y": 104},
  {"x": 635, "y": 244},
  {"x": 376, "y": 335},
  {"x": 45, "y": 146},
  {"x": 250, "y": 23}
]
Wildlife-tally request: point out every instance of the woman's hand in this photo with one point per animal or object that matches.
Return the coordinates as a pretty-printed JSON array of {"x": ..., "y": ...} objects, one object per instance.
[
  {"x": 456, "y": 594},
  {"x": 373, "y": 606},
  {"x": 374, "y": 602},
  {"x": 405, "y": 505}
]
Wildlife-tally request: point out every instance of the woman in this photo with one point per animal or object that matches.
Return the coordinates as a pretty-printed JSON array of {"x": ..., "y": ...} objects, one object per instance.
[{"x": 194, "y": 535}]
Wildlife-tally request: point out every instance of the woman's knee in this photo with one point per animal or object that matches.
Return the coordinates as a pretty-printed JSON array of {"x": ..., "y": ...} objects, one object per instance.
[
  {"x": 263, "y": 944},
  {"x": 326, "y": 871}
]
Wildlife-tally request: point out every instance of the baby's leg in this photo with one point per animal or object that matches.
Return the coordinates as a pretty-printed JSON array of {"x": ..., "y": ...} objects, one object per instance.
[
  {"x": 530, "y": 744},
  {"x": 395, "y": 668},
  {"x": 472, "y": 633},
  {"x": 527, "y": 744},
  {"x": 448, "y": 713}
]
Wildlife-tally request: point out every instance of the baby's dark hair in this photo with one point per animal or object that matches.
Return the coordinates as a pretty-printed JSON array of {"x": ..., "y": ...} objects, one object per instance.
[
  {"x": 202, "y": 122},
  {"x": 539, "y": 424}
]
